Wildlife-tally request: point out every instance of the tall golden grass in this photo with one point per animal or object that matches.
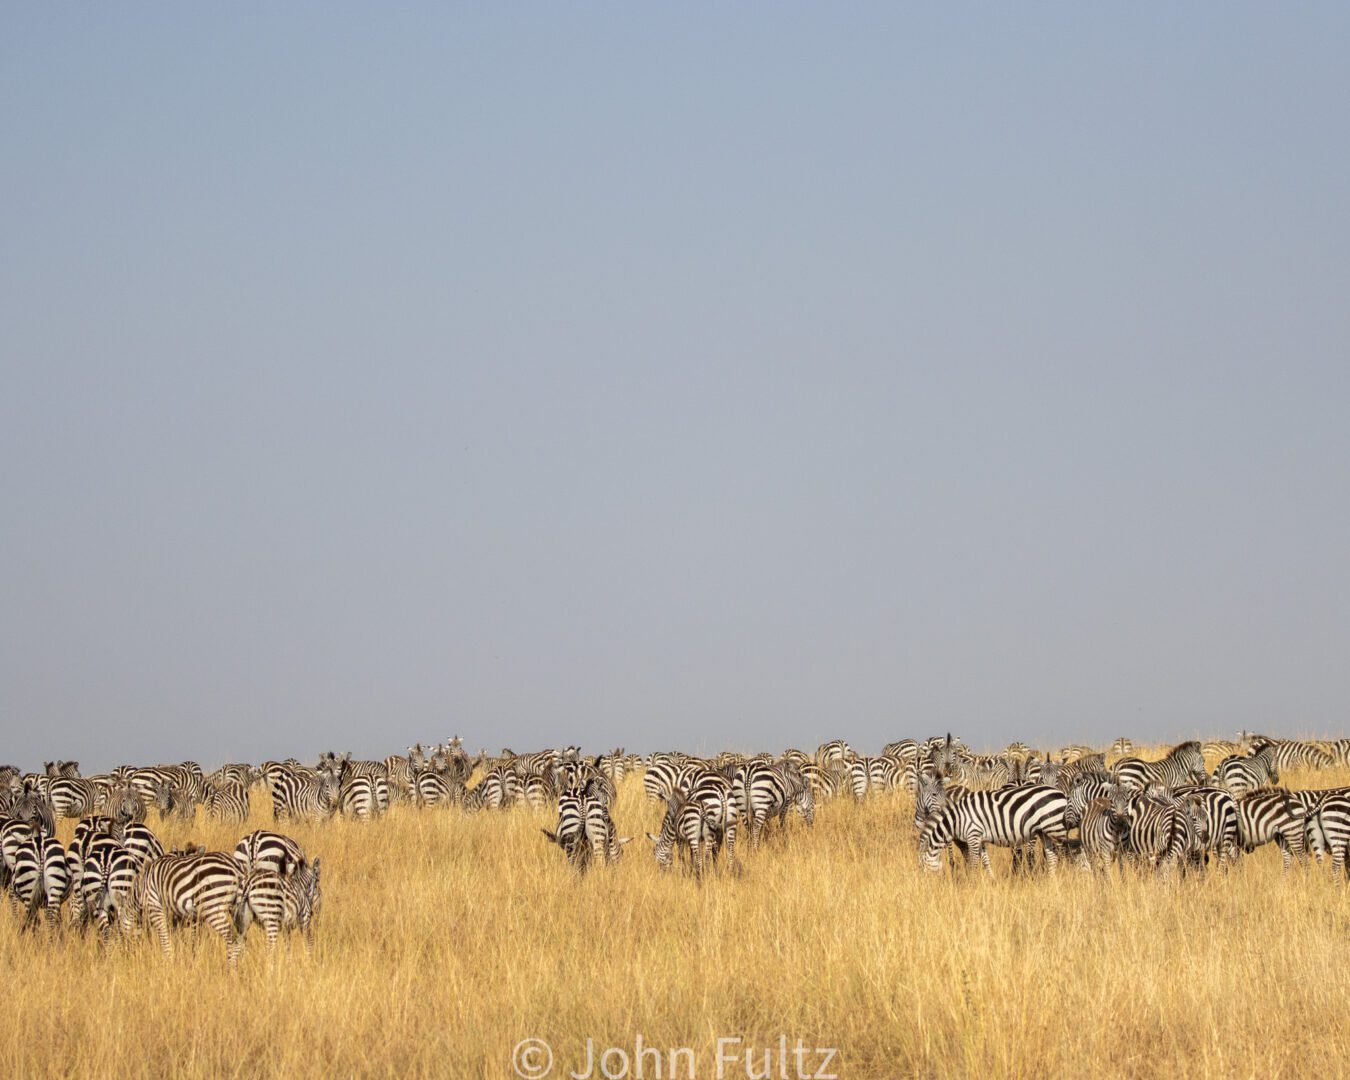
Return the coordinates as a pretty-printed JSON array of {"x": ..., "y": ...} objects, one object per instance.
[{"x": 446, "y": 939}]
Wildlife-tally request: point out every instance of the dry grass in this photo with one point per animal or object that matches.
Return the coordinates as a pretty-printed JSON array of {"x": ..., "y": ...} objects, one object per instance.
[{"x": 445, "y": 939}]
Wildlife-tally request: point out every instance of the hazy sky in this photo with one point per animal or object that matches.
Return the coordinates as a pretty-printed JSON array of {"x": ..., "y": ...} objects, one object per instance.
[{"x": 701, "y": 376}]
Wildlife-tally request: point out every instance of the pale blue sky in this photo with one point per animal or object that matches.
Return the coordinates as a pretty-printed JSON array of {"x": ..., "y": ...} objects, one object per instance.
[{"x": 662, "y": 376}]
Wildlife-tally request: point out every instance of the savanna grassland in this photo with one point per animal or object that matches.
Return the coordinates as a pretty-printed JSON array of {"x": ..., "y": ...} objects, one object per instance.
[{"x": 445, "y": 939}]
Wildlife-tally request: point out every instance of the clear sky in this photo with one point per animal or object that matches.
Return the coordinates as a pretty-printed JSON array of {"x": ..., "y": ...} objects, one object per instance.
[{"x": 740, "y": 375}]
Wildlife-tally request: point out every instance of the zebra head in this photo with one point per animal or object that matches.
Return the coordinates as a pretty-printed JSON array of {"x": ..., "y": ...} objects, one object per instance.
[
  {"x": 933, "y": 838},
  {"x": 664, "y": 842}
]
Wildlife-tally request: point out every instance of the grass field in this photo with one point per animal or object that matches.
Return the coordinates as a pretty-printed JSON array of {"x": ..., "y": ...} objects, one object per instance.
[{"x": 446, "y": 939}]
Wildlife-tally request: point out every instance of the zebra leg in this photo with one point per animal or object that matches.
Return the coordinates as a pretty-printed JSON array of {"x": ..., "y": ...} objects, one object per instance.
[
  {"x": 1051, "y": 848},
  {"x": 160, "y": 925}
]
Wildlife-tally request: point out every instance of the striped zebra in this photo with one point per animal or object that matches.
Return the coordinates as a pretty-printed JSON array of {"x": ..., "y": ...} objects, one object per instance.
[
  {"x": 296, "y": 797},
  {"x": 194, "y": 887},
  {"x": 585, "y": 830},
  {"x": 226, "y": 800},
  {"x": 1241, "y": 775},
  {"x": 1183, "y": 764},
  {"x": 263, "y": 849},
  {"x": 1164, "y": 831},
  {"x": 41, "y": 878},
  {"x": 1082, "y": 790},
  {"x": 698, "y": 823},
  {"x": 1010, "y": 817},
  {"x": 867, "y": 774},
  {"x": 363, "y": 796},
  {"x": 1266, "y": 817},
  {"x": 139, "y": 839},
  {"x": 31, "y": 804},
  {"x": 499, "y": 789},
  {"x": 1294, "y": 753},
  {"x": 72, "y": 796},
  {"x": 1220, "y": 834},
  {"x": 761, "y": 791},
  {"x": 280, "y": 902},
  {"x": 13, "y": 834},
  {"x": 1103, "y": 830},
  {"x": 1329, "y": 833},
  {"x": 105, "y": 884},
  {"x": 435, "y": 788},
  {"x": 173, "y": 799},
  {"x": 122, "y": 803},
  {"x": 665, "y": 776}
]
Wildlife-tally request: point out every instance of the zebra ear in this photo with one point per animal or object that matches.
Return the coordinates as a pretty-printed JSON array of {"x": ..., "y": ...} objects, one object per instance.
[{"x": 623, "y": 840}]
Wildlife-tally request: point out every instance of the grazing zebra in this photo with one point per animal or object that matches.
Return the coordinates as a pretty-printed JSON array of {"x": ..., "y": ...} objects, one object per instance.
[
  {"x": 836, "y": 752},
  {"x": 699, "y": 822},
  {"x": 266, "y": 850},
  {"x": 194, "y": 887},
  {"x": 1009, "y": 817},
  {"x": 1273, "y": 816},
  {"x": 1293, "y": 753},
  {"x": 282, "y": 902},
  {"x": 1241, "y": 775},
  {"x": 227, "y": 801},
  {"x": 296, "y": 797},
  {"x": 106, "y": 880},
  {"x": 1329, "y": 832},
  {"x": 363, "y": 796},
  {"x": 875, "y": 774},
  {"x": 41, "y": 878},
  {"x": 1183, "y": 764},
  {"x": 1121, "y": 747}
]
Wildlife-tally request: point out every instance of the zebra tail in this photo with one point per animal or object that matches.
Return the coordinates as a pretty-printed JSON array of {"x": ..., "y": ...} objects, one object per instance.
[
  {"x": 243, "y": 911},
  {"x": 36, "y": 901}
]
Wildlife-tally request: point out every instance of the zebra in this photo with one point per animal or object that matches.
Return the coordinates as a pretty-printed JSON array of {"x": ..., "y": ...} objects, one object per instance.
[
  {"x": 194, "y": 887},
  {"x": 297, "y": 798},
  {"x": 71, "y": 796},
  {"x": 1221, "y": 832},
  {"x": 363, "y": 796},
  {"x": 1009, "y": 817},
  {"x": 13, "y": 834},
  {"x": 1183, "y": 764},
  {"x": 664, "y": 777},
  {"x": 122, "y": 803},
  {"x": 1165, "y": 831},
  {"x": 499, "y": 789},
  {"x": 435, "y": 788},
  {"x": 1082, "y": 790},
  {"x": 41, "y": 878},
  {"x": 874, "y": 774},
  {"x": 1294, "y": 753},
  {"x": 266, "y": 850},
  {"x": 106, "y": 881},
  {"x": 1273, "y": 816},
  {"x": 698, "y": 822},
  {"x": 1241, "y": 775},
  {"x": 1103, "y": 830},
  {"x": 227, "y": 801},
  {"x": 1329, "y": 832},
  {"x": 761, "y": 792},
  {"x": 32, "y": 805},
  {"x": 282, "y": 902},
  {"x": 174, "y": 800}
]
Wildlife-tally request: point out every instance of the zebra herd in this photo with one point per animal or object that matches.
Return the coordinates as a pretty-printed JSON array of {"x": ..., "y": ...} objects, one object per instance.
[
  {"x": 116, "y": 874},
  {"x": 1170, "y": 814},
  {"x": 1089, "y": 807}
]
